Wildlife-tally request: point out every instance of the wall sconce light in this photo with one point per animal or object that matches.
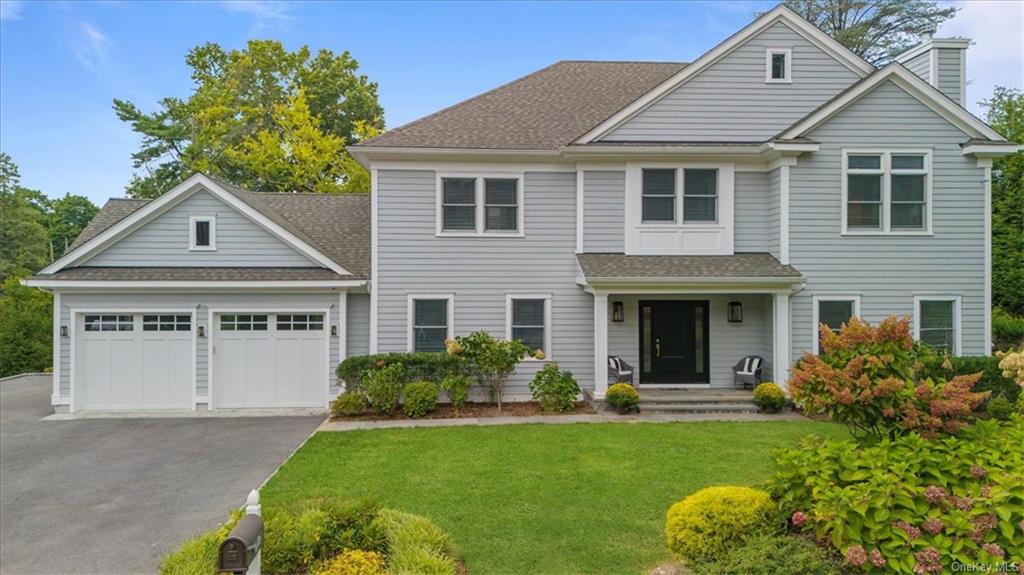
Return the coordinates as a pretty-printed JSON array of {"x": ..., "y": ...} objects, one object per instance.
[
  {"x": 735, "y": 312},
  {"x": 63, "y": 331},
  {"x": 334, "y": 330},
  {"x": 201, "y": 331},
  {"x": 618, "y": 315}
]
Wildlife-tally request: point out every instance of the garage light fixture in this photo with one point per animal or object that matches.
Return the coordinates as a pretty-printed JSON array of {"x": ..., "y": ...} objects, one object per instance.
[
  {"x": 334, "y": 330},
  {"x": 201, "y": 331}
]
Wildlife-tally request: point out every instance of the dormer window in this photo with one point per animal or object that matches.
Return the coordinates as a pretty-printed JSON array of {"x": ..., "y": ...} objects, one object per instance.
[
  {"x": 202, "y": 233},
  {"x": 779, "y": 65}
]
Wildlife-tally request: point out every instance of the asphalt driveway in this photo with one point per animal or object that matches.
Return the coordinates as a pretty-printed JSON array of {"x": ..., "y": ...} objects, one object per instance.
[{"x": 115, "y": 495}]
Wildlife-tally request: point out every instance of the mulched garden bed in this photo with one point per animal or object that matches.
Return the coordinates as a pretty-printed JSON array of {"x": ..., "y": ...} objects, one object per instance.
[{"x": 470, "y": 410}]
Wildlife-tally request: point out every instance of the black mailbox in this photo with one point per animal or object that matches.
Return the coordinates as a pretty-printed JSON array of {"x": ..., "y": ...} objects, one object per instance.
[{"x": 242, "y": 545}]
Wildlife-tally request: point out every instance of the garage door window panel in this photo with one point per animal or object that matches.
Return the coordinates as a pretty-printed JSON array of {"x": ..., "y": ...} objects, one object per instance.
[
  {"x": 243, "y": 322},
  {"x": 300, "y": 322},
  {"x": 166, "y": 323},
  {"x": 109, "y": 323}
]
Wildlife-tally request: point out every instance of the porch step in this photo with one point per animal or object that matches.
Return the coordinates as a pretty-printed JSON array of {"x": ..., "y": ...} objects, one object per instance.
[
  {"x": 693, "y": 407},
  {"x": 696, "y": 401}
]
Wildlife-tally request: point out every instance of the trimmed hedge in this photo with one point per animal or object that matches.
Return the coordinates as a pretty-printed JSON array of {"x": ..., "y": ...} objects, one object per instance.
[{"x": 419, "y": 366}]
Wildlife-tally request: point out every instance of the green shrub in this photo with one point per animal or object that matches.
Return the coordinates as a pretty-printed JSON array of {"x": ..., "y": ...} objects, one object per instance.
[
  {"x": 303, "y": 535},
  {"x": 872, "y": 379},
  {"x": 420, "y": 398},
  {"x": 768, "y": 554},
  {"x": 623, "y": 397},
  {"x": 769, "y": 397},
  {"x": 489, "y": 361},
  {"x": 555, "y": 390},
  {"x": 704, "y": 525},
  {"x": 383, "y": 387},
  {"x": 457, "y": 387},
  {"x": 1000, "y": 408},
  {"x": 908, "y": 503},
  {"x": 348, "y": 403},
  {"x": 416, "y": 546},
  {"x": 199, "y": 555},
  {"x": 419, "y": 366},
  {"x": 26, "y": 328},
  {"x": 353, "y": 562},
  {"x": 1007, "y": 329}
]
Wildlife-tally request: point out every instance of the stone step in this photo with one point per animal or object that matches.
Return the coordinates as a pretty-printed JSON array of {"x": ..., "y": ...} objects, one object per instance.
[
  {"x": 696, "y": 398},
  {"x": 677, "y": 407}
]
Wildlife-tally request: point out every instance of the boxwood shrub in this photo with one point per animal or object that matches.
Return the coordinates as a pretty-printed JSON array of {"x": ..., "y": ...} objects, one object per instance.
[
  {"x": 706, "y": 524},
  {"x": 773, "y": 554},
  {"x": 419, "y": 366},
  {"x": 419, "y": 398}
]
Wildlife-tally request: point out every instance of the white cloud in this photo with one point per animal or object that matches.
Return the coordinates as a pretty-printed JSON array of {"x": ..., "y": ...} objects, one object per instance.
[
  {"x": 11, "y": 9},
  {"x": 91, "y": 47},
  {"x": 996, "y": 58}
]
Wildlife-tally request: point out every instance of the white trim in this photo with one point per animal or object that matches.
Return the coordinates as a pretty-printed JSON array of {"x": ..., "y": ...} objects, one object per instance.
[
  {"x": 886, "y": 171},
  {"x": 991, "y": 150},
  {"x": 784, "y": 215},
  {"x": 209, "y": 358},
  {"x": 342, "y": 326},
  {"x": 787, "y": 77},
  {"x": 600, "y": 344},
  {"x": 479, "y": 166},
  {"x": 913, "y": 85},
  {"x": 579, "y": 210},
  {"x": 55, "y": 398},
  {"x": 933, "y": 68},
  {"x": 957, "y": 324},
  {"x": 959, "y": 43},
  {"x": 210, "y": 219},
  {"x": 168, "y": 200},
  {"x": 987, "y": 331},
  {"x": 172, "y": 285},
  {"x": 778, "y": 14},
  {"x": 815, "y": 312},
  {"x": 781, "y": 339},
  {"x": 195, "y": 357},
  {"x": 479, "y": 230},
  {"x": 374, "y": 259},
  {"x": 963, "y": 78},
  {"x": 509, "y": 296},
  {"x": 410, "y": 314}
]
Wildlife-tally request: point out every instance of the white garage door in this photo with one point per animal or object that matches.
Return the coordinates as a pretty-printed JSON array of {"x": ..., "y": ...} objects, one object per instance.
[
  {"x": 134, "y": 361},
  {"x": 270, "y": 360}
]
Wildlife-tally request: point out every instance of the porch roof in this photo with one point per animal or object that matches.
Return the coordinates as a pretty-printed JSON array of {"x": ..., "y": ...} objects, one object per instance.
[{"x": 618, "y": 268}]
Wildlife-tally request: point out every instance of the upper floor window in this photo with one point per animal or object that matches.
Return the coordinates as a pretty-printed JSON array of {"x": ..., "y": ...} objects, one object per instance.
[
  {"x": 480, "y": 205},
  {"x": 700, "y": 195},
  {"x": 778, "y": 65},
  {"x": 886, "y": 192},
  {"x": 937, "y": 322},
  {"x": 430, "y": 322},
  {"x": 699, "y": 198},
  {"x": 659, "y": 196},
  {"x": 202, "y": 233}
]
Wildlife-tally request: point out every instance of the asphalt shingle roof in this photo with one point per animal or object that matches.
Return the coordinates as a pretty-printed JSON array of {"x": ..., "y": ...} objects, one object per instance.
[
  {"x": 192, "y": 274},
  {"x": 545, "y": 110},
  {"x": 745, "y": 265}
]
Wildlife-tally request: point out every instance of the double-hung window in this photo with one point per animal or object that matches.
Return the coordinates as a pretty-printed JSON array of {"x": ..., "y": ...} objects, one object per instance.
[
  {"x": 886, "y": 192},
  {"x": 833, "y": 311},
  {"x": 527, "y": 320},
  {"x": 659, "y": 195},
  {"x": 699, "y": 195},
  {"x": 483, "y": 205},
  {"x": 430, "y": 322},
  {"x": 937, "y": 322}
]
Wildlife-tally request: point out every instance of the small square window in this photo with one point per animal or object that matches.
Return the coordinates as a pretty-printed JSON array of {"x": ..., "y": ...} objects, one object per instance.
[
  {"x": 202, "y": 233},
  {"x": 778, "y": 65}
]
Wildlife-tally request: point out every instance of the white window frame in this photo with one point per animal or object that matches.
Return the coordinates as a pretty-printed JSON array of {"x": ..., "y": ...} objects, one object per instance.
[
  {"x": 410, "y": 318},
  {"x": 788, "y": 78},
  {"x": 509, "y": 297},
  {"x": 192, "y": 220},
  {"x": 479, "y": 228},
  {"x": 815, "y": 313},
  {"x": 887, "y": 172},
  {"x": 957, "y": 323}
]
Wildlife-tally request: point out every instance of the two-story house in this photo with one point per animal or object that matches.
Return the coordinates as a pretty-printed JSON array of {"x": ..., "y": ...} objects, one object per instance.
[{"x": 679, "y": 216}]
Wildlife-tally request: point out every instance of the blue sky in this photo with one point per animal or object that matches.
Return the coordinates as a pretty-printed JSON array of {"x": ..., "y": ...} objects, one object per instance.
[{"x": 62, "y": 63}]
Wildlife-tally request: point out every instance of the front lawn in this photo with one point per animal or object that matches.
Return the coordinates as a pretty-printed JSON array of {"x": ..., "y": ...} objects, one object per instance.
[{"x": 584, "y": 498}]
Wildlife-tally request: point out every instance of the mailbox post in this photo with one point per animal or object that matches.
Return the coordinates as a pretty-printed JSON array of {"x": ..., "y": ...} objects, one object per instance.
[{"x": 241, "y": 552}]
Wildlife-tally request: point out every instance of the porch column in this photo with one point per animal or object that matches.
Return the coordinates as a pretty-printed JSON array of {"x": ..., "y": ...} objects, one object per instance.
[
  {"x": 780, "y": 340},
  {"x": 600, "y": 344},
  {"x": 342, "y": 325}
]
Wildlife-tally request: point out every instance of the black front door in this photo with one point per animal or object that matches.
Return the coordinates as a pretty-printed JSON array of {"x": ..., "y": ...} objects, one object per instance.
[{"x": 674, "y": 342}]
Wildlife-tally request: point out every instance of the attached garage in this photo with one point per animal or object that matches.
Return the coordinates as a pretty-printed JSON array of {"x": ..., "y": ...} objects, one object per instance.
[
  {"x": 130, "y": 361},
  {"x": 270, "y": 360}
]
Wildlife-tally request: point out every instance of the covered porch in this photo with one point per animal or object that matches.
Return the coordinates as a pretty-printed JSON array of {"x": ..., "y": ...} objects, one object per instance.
[{"x": 684, "y": 322}]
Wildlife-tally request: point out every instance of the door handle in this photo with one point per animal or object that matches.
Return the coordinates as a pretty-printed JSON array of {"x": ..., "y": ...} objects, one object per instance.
[{"x": 657, "y": 348}]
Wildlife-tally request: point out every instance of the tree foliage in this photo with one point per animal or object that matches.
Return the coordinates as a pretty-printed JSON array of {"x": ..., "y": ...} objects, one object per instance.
[
  {"x": 1006, "y": 115},
  {"x": 876, "y": 30},
  {"x": 263, "y": 118},
  {"x": 25, "y": 323}
]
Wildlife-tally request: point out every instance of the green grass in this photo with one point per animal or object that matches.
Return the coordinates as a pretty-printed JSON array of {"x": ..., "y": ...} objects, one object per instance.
[{"x": 586, "y": 498}]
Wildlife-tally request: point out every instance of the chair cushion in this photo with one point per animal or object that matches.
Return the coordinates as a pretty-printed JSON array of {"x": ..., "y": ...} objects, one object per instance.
[
  {"x": 614, "y": 363},
  {"x": 749, "y": 365}
]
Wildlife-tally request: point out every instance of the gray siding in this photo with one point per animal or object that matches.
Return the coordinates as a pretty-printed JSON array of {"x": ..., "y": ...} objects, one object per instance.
[
  {"x": 730, "y": 101},
  {"x": 604, "y": 205},
  {"x": 481, "y": 271},
  {"x": 921, "y": 65},
  {"x": 756, "y": 213},
  {"x": 358, "y": 320},
  {"x": 164, "y": 241},
  {"x": 729, "y": 341},
  {"x": 888, "y": 270},
  {"x": 949, "y": 72}
]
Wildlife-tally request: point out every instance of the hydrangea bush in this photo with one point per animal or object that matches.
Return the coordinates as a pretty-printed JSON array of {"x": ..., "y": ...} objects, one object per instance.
[
  {"x": 869, "y": 379},
  {"x": 910, "y": 505}
]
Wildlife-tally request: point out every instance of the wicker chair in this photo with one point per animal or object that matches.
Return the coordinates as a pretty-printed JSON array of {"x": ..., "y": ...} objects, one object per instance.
[
  {"x": 747, "y": 372},
  {"x": 619, "y": 371}
]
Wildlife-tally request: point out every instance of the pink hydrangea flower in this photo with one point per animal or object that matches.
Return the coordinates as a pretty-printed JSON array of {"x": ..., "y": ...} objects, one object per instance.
[
  {"x": 876, "y": 558},
  {"x": 986, "y": 490},
  {"x": 910, "y": 530},
  {"x": 935, "y": 494},
  {"x": 994, "y": 550},
  {"x": 856, "y": 555},
  {"x": 932, "y": 526},
  {"x": 928, "y": 561},
  {"x": 963, "y": 503},
  {"x": 977, "y": 471},
  {"x": 798, "y": 519}
]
